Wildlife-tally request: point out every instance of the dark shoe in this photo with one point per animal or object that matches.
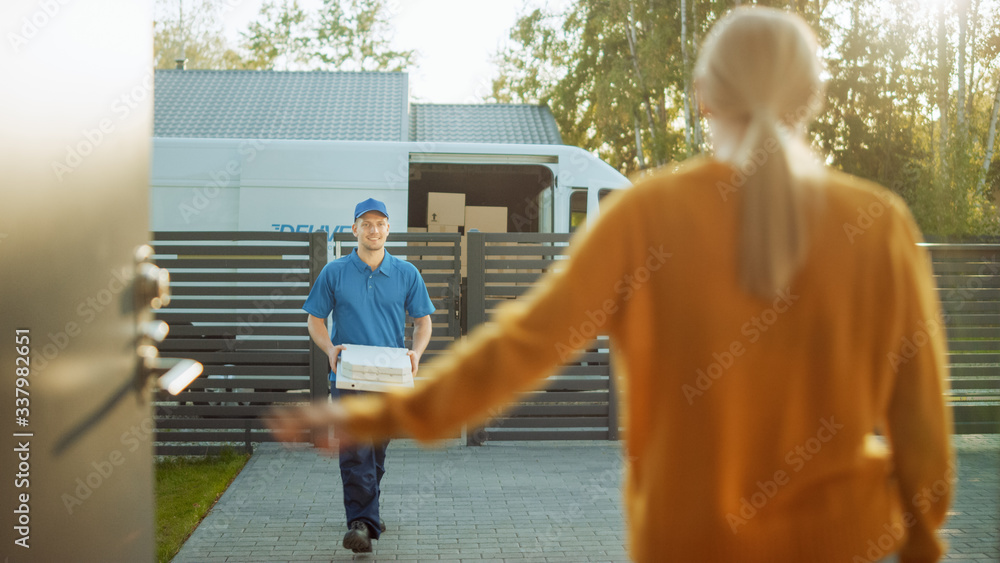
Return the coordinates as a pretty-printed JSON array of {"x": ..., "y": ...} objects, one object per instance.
[
  {"x": 358, "y": 538},
  {"x": 381, "y": 525}
]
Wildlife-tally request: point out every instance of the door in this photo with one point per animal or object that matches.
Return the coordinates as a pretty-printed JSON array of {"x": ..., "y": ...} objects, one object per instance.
[{"x": 76, "y": 425}]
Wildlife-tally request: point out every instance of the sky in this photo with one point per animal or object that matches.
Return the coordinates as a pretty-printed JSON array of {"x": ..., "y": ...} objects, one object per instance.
[{"x": 455, "y": 41}]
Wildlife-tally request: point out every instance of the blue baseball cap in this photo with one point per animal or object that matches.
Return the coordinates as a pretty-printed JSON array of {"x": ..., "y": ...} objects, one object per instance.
[{"x": 370, "y": 205}]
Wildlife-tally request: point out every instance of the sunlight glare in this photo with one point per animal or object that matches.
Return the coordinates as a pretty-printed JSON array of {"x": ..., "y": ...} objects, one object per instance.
[{"x": 933, "y": 5}]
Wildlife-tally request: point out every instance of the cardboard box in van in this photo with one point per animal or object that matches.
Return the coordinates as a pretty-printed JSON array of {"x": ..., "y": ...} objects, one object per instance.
[{"x": 445, "y": 209}]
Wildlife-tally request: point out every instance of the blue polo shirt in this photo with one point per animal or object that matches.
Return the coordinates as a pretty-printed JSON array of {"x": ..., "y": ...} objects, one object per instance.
[{"x": 369, "y": 307}]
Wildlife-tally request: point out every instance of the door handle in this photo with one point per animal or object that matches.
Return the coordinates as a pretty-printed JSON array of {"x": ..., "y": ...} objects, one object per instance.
[{"x": 172, "y": 374}]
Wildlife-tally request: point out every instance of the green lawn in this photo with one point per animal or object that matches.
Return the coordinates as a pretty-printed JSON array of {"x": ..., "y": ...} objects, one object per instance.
[{"x": 186, "y": 488}]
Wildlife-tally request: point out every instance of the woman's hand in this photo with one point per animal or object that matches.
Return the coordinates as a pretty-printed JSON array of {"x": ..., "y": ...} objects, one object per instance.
[{"x": 323, "y": 423}]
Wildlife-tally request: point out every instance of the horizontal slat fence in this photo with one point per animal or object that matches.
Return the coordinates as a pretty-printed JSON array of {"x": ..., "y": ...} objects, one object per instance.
[
  {"x": 578, "y": 402},
  {"x": 504, "y": 266},
  {"x": 236, "y": 307},
  {"x": 968, "y": 281}
]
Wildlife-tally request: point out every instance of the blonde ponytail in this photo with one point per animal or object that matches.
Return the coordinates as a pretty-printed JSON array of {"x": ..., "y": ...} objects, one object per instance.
[
  {"x": 773, "y": 226},
  {"x": 758, "y": 64}
]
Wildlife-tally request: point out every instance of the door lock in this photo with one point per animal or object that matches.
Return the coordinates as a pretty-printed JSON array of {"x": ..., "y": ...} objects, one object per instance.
[
  {"x": 151, "y": 288},
  {"x": 152, "y": 283},
  {"x": 152, "y": 291}
]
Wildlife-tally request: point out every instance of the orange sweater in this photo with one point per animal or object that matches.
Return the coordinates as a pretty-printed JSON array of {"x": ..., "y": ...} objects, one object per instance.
[{"x": 750, "y": 422}]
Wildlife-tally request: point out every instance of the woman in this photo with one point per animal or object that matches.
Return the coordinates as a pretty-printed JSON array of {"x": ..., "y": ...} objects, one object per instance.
[{"x": 787, "y": 317}]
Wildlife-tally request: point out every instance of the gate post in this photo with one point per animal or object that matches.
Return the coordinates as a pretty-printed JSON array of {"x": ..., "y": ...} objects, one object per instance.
[
  {"x": 319, "y": 364},
  {"x": 475, "y": 303},
  {"x": 613, "y": 422}
]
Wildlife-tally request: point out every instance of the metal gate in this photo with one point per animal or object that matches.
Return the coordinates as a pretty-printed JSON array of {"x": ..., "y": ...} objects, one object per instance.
[
  {"x": 237, "y": 309},
  {"x": 968, "y": 281},
  {"x": 578, "y": 402}
]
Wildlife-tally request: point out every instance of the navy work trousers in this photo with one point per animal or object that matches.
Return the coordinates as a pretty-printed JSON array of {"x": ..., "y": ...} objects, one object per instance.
[{"x": 361, "y": 470}]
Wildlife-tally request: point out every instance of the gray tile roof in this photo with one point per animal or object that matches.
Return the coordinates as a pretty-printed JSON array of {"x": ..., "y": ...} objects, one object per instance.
[
  {"x": 484, "y": 123},
  {"x": 346, "y": 106},
  {"x": 362, "y": 106}
]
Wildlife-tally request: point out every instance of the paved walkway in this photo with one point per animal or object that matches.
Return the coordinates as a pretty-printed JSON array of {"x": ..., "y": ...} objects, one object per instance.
[{"x": 502, "y": 502}]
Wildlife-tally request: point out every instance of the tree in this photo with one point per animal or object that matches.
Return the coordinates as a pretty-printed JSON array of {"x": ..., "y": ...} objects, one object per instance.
[
  {"x": 537, "y": 58},
  {"x": 617, "y": 75},
  {"x": 967, "y": 147},
  {"x": 281, "y": 38},
  {"x": 991, "y": 135},
  {"x": 343, "y": 35},
  {"x": 191, "y": 30},
  {"x": 874, "y": 115},
  {"x": 612, "y": 84},
  {"x": 355, "y": 35},
  {"x": 943, "y": 82},
  {"x": 340, "y": 35}
]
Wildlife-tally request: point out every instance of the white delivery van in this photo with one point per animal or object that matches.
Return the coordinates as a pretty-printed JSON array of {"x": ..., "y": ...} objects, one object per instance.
[{"x": 305, "y": 186}]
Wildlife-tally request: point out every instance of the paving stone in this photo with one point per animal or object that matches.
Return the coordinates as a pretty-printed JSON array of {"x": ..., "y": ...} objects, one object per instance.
[{"x": 543, "y": 502}]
